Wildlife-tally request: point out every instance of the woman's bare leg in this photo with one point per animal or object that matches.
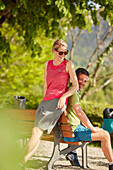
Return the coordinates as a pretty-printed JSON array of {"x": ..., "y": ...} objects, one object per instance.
[{"x": 32, "y": 144}]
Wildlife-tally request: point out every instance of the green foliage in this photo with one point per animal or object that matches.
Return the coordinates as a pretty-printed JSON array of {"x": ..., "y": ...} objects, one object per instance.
[
  {"x": 106, "y": 10},
  {"x": 4, "y": 49},
  {"x": 52, "y": 16},
  {"x": 27, "y": 17},
  {"x": 93, "y": 14},
  {"x": 97, "y": 97},
  {"x": 2, "y": 6},
  {"x": 94, "y": 111},
  {"x": 108, "y": 90},
  {"x": 23, "y": 75}
]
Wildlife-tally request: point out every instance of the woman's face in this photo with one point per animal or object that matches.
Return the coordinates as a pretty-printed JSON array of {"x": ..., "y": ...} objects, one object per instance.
[{"x": 60, "y": 53}]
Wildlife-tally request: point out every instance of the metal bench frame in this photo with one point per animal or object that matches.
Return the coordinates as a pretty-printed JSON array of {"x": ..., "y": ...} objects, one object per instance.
[{"x": 57, "y": 153}]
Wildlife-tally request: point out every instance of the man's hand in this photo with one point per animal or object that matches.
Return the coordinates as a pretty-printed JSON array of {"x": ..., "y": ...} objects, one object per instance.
[{"x": 96, "y": 129}]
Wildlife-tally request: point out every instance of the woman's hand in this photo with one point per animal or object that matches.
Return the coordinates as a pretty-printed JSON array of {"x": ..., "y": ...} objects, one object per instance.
[{"x": 61, "y": 102}]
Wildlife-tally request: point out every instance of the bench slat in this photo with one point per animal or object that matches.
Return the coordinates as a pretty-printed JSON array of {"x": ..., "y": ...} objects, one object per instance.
[
  {"x": 66, "y": 128},
  {"x": 63, "y": 119},
  {"x": 28, "y": 117},
  {"x": 67, "y": 134},
  {"x": 73, "y": 143}
]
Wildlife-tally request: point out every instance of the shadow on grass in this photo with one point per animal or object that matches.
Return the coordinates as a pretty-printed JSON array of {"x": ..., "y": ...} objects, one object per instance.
[{"x": 37, "y": 164}]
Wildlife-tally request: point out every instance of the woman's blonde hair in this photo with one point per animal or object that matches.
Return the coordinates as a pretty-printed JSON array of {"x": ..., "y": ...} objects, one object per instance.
[{"x": 58, "y": 43}]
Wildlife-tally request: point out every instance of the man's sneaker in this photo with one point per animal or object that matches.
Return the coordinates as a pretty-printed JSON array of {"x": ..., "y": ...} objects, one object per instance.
[
  {"x": 111, "y": 167},
  {"x": 72, "y": 157}
]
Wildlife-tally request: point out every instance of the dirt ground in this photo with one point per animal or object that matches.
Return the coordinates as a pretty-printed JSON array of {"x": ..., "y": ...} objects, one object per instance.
[{"x": 96, "y": 159}]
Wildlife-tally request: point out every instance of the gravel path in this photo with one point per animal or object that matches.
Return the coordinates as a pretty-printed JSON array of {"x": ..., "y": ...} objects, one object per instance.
[{"x": 96, "y": 159}]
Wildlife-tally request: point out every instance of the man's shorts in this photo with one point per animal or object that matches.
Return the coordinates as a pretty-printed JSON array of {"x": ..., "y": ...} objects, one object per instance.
[
  {"x": 81, "y": 134},
  {"x": 48, "y": 114}
]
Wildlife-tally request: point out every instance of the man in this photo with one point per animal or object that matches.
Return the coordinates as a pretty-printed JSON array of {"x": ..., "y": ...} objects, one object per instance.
[
  {"x": 85, "y": 131},
  {"x": 82, "y": 76}
]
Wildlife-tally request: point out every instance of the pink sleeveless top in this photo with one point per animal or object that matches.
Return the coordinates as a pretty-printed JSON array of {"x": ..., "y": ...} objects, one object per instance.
[{"x": 57, "y": 80}]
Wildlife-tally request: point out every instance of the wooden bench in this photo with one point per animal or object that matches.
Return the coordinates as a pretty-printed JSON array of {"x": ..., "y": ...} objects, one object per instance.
[
  {"x": 64, "y": 129},
  {"x": 24, "y": 121}
]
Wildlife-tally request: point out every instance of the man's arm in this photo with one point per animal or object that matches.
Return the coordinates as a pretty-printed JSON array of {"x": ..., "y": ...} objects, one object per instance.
[{"x": 83, "y": 118}]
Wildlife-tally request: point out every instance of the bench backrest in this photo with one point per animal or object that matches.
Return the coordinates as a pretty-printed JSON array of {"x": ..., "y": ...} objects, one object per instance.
[
  {"x": 24, "y": 120},
  {"x": 66, "y": 128}
]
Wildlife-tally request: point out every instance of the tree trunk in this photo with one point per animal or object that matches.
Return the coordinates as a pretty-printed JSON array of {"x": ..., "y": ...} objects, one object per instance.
[
  {"x": 74, "y": 40},
  {"x": 105, "y": 36}
]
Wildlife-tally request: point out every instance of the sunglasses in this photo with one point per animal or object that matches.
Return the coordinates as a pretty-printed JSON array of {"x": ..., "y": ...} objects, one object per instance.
[{"x": 61, "y": 52}]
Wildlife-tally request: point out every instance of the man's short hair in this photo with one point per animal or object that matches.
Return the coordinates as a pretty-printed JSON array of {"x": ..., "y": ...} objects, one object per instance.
[{"x": 82, "y": 71}]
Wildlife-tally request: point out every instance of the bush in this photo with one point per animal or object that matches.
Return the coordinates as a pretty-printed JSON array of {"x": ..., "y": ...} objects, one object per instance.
[{"x": 94, "y": 111}]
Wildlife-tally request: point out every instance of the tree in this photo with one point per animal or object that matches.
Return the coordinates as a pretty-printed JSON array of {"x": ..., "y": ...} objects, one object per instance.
[
  {"x": 74, "y": 40},
  {"x": 27, "y": 17},
  {"x": 27, "y": 31},
  {"x": 23, "y": 75},
  {"x": 97, "y": 64},
  {"x": 103, "y": 50}
]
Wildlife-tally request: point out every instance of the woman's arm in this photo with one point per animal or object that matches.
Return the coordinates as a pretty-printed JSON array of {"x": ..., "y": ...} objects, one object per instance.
[
  {"x": 71, "y": 70},
  {"x": 45, "y": 74}
]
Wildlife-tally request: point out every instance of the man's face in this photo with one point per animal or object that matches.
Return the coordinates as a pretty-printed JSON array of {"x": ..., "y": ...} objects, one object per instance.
[{"x": 82, "y": 80}]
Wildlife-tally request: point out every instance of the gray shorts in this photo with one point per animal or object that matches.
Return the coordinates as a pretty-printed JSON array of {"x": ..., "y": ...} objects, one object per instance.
[{"x": 48, "y": 114}]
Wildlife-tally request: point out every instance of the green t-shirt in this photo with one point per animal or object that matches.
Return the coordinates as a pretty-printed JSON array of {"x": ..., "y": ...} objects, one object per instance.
[{"x": 73, "y": 119}]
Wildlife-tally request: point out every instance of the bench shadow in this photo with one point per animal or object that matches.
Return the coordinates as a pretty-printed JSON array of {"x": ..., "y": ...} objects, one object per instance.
[
  {"x": 97, "y": 163},
  {"x": 102, "y": 164},
  {"x": 42, "y": 164},
  {"x": 69, "y": 167},
  {"x": 37, "y": 164},
  {"x": 93, "y": 157},
  {"x": 47, "y": 157}
]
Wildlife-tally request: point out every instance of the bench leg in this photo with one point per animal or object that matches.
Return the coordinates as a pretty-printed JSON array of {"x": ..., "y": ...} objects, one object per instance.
[
  {"x": 57, "y": 153},
  {"x": 56, "y": 150},
  {"x": 84, "y": 156},
  {"x": 73, "y": 147},
  {"x": 69, "y": 149}
]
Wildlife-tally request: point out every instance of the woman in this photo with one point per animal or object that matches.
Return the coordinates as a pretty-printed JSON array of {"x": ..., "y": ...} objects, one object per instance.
[{"x": 56, "y": 76}]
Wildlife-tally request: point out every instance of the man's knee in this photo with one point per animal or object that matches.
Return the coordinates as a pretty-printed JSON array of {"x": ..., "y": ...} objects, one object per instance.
[{"x": 105, "y": 135}]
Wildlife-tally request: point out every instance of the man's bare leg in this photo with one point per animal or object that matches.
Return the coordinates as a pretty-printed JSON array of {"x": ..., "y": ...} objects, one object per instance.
[
  {"x": 104, "y": 137},
  {"x": 32, "y": 144}
]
